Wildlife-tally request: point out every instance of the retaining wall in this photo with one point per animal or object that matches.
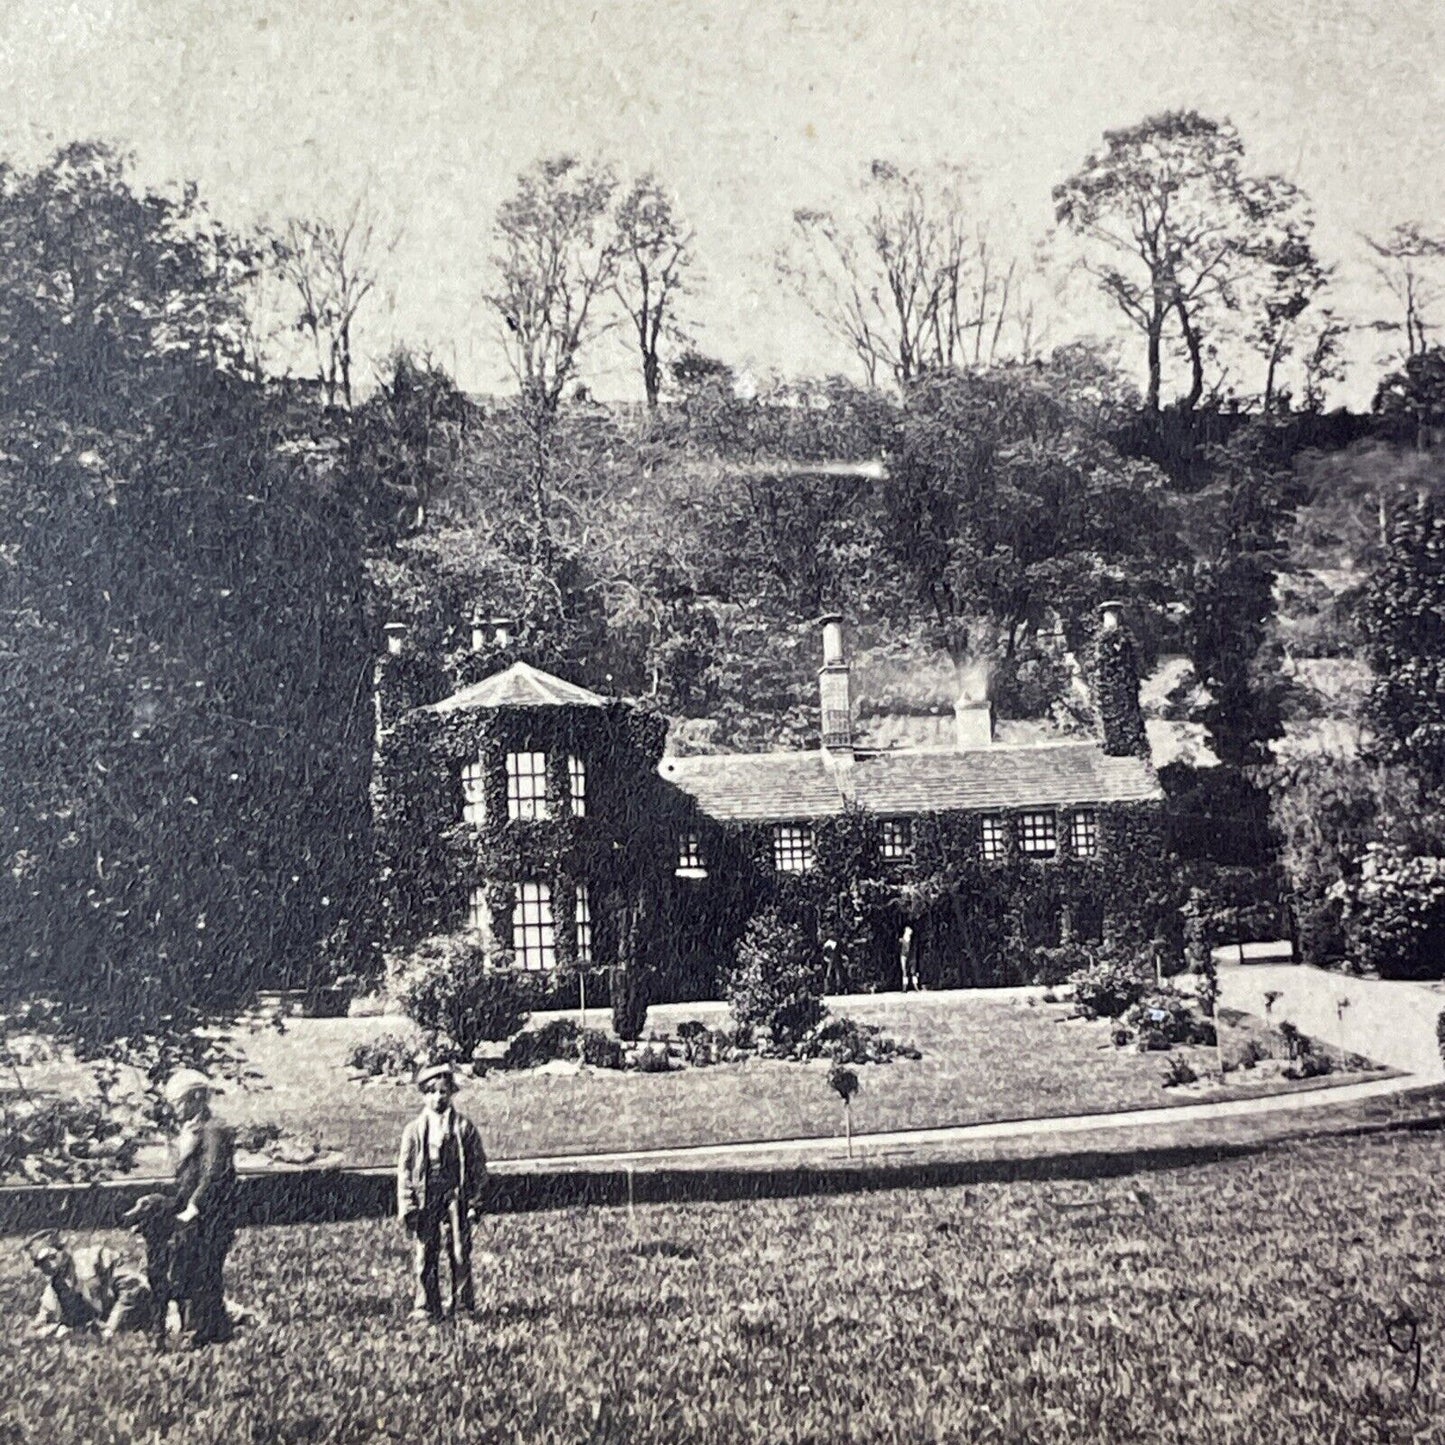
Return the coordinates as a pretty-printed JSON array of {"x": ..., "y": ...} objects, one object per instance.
[{"x": 1387, "y": 1021}]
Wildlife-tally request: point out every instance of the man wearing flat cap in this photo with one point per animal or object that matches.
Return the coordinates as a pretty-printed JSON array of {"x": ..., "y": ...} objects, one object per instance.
[
  {"x": 205, "y": 1199},
  {"x": 441, "y": 1179}
]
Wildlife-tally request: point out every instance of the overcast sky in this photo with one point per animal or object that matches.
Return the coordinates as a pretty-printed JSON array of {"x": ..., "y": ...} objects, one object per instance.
[{"x": 747, "y": 109}]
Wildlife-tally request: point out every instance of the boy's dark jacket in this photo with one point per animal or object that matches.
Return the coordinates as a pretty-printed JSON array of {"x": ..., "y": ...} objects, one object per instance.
[{"x": 411, "y": 1165}]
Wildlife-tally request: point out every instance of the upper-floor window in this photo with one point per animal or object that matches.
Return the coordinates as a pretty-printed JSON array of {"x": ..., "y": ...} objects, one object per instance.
[
  {"x": 690, "y": 861},
  {"x": 994, "y": 838},
  {"x": 1084, "y": 833},
  {"x": 577, "y": 786},
  {"x": 526, "y": 785},
  {"x": 895, "y": 838},
  {"x": 792, "y": 848},
  {"x": 1039, "y": 834},
  {"x": 474, "y": 792},
  {"x": 584, "y": 925},
  {"x": 534, "y": 931}
]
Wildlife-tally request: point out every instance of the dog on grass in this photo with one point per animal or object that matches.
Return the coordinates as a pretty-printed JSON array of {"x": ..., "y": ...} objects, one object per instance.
[{"x": 153, "y": 1218}]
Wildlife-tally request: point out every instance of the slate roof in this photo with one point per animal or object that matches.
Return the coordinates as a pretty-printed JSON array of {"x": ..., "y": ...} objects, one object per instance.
[
  {"x": 782, "y": 787},
  {"x": 520, "y": 685}
]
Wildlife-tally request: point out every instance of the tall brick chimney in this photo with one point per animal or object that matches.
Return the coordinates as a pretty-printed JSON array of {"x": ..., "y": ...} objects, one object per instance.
[
  {"x": 1116, "y": 687},
  {"x": 833, "y": 691}
]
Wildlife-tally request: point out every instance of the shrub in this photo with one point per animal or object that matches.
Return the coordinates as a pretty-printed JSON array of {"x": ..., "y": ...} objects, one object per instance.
[
  {"x": 1153, "y": 1041},
  {"x": 1053, "y": 966},
  {"x": 845, "y": 1041},
  {"x": 1112, "y": 984},
  {"x": 1178, "y": 1071},
  {"x": 1310, "y": 1066},
  {"x": 1299, "y": 1045},
  {"x": 652, "y": 1059},
  {"x": 1394, "y": 913},
  {"x": 629, "y": 1003},
  {"x": 456, "y": 993},
  {"x": 1440, "y": 1032},
  {"x": 1171, "y": 1014},
  {"x": 1252, "y": 1053},
  {"x": 556, "y": 1039},
  {"x": 75, "y": 1140},
  {"x": 387, "y": 1056},
  {"x": 776, "y": 982}
]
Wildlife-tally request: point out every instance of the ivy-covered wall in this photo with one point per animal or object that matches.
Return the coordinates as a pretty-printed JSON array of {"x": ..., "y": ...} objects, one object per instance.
[
  {"x": 430, "y": 859},
  {"x": 977, "y": 922}
]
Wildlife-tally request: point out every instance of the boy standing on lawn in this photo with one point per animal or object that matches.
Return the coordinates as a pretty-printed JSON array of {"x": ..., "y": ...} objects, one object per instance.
[
  {"x": 205, "y": 1200},
  {"x": 440, "y": 1181}
]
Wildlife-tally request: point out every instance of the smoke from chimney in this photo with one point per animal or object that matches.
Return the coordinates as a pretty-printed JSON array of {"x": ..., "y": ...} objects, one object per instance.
[{"x": 973, "y": 707}]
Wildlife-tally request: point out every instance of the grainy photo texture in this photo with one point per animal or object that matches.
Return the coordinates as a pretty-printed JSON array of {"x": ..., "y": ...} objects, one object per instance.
[{"x": 722, "y": 722}]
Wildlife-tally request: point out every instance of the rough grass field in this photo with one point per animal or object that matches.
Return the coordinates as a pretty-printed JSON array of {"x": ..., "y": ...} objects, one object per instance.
[
  {"x": 1244, "y": 1301},
  {"x": 986, "y": 1057}
]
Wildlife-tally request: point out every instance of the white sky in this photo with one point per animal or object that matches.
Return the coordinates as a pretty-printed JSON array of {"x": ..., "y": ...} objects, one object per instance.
[{"x": 747, "y": 109}]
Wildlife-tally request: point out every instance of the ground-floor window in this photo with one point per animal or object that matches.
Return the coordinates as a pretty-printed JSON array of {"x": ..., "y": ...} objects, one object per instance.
[
  {"x": 584, "y": 925},
  {"x": 478, "y": 914},
  {"x": 534, "y": 932}
]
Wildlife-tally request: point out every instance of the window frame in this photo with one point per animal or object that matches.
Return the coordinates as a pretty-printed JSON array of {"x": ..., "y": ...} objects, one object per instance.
[
  {"x": 577, "y": 785},
  {"x": 1038, "y": 833},
  {"x": 479, "y": 913},
  {"x": 895, "y": 839},
  {"x": 534, "y": 926},
  {"x": 1084, "y": 833},
  {"x": 582, "y": 931},
  {"x": 530, "y": 804},
  {"x": 691, "y": 861},
  {"x": 793, "y": 848},
  {"x": 993, "y": 837},
  {"x": 474, "y": 792}
]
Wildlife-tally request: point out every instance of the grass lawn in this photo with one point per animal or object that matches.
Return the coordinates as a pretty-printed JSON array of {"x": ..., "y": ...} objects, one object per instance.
[
  {"x": 987, "y": 1056},
  {"x": 1243, "y": 1302}
]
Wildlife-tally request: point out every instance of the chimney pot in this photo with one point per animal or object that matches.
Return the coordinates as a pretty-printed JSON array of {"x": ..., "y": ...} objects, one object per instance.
[{"x": 834, "y": 692}]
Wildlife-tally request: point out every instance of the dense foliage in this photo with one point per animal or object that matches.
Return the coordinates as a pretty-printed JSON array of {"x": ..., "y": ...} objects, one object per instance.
[
  {"x": 777, "y": 980},
  {"x": 184, "y": 693},
  {"x": 459, "y": 995}
]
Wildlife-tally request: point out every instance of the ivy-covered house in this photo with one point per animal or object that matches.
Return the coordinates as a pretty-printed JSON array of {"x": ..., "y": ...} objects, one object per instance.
[{"x": 547, "y": 819}]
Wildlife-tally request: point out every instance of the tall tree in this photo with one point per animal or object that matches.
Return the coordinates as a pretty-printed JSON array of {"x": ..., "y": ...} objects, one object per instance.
[
  {"x": 1411, "y": 262},
  {"x": 184, "y": 710},
  {"x": 1178, "y": 233},
  {"x": 1240, "y": 527},
  {"x": 656, "y": 257},
  {"x": 332, "y": 267},
  {"x": 1403, "y": 619},
  {"x": 905, "y": 277},
  {"x": 556, "y": 260},
  {"x": 1009, "y": 510}
]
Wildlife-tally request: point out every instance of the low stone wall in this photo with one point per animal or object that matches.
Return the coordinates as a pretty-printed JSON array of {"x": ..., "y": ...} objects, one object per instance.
[{"x": 1388, "y": 1022}]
